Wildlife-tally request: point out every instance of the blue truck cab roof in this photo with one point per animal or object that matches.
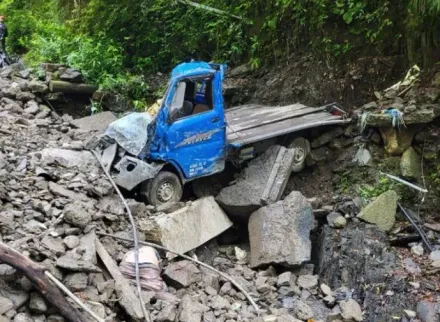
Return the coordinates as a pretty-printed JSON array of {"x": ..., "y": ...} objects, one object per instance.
[{"x": 196, "y": 68}]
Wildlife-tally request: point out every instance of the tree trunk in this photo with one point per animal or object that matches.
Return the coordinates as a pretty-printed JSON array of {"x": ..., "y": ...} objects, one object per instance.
[
  {"x": 35, "y": 273},
  {"x": 71, "y": 88}
]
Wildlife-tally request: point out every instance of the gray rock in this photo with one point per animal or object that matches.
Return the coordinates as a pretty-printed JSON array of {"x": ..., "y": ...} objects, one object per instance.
[
  {"x": 417, "y": 250},
  {"x": 326, "y": 137},
  {"x": 428, "y": 311},
  {"x": 60, "y": 191},
  {"x": 97, "y": 308},
  {"x": 261, "y": 284},
  {"x": 71, "y": 241},
  {"x": 7, "y": 272},
  {"x": 82, "y": 160},
  {"x": 286, "y": 279},
  {"x": 76, "y": 282},
  {"x": 32, "y": 108},
  {"x": 74, "y": 265},
  {"x": 382, "y": 211},
  {"x": 287, "y": 318},
  {"x": 351, "y": 310},
  {"x": 76, "y": 215},
  {"x": 370, "y": 106},
  {"x": 326, "y": 290},
  {"x": 410, "y": 164},
  {"x": 336, "y": 220},
  {"x": 25, "y": 96},
  {"x": 190, "y": 310},
  {"x": 362, "y": 157},
  {"x": 256, "y": 186},
  {"x": 5, "y": 305},
  {"x": 167, "y": 314},
  {"x": 182, "y": 274},
  {"x": 218, "y": 303},
  {"x": 55, "y": 245},
  {"x": 37, "y": 303},
  {"x": 317, "y": 155},
  {"x": 95, "y": 123},
  {"x": 308, "y": 281},
  {"x": 302, "y": 311},
  {"x": 38, "y": 87},
  {"x": 435, "y": 256},
  {"x": 279, "y": 233},
  {"x": 72, "y": 75},
  {"x": 23, "y": 317},
  {"x": 55, "y": 318},
  {"x": 39, "y": 318}
]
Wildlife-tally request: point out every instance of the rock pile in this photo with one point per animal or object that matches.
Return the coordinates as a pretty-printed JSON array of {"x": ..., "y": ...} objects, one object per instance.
[{"x": 54, "y": 199}]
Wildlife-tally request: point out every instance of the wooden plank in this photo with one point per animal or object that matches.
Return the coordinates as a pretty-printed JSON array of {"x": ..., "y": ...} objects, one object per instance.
[
  {"x": 129, "y": 301},
  {"x": 264, "y": 112},
  {"x": 284, "y": 127},
  {"x": 263, "y": 119}
]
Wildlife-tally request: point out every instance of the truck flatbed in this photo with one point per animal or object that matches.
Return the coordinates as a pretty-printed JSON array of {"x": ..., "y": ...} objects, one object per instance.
[{"x": 248, "y": 124}]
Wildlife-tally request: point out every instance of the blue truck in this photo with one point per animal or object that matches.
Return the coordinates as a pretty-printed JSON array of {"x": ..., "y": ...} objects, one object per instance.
[{"x": 193, "y": 135}]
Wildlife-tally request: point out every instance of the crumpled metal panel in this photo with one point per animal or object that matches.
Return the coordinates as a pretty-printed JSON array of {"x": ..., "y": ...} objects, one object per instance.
[{"x": 133, "y": 171}]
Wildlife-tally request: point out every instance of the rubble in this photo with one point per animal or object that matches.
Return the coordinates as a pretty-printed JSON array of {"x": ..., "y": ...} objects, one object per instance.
[
  {"x": 261, "y": 182},
  {"x": 279, "y": 233},
  {"x": 54, "y": 197}
]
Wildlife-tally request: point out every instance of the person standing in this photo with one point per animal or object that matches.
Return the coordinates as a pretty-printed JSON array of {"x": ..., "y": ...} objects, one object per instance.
[{"x": 3, "y": 34}]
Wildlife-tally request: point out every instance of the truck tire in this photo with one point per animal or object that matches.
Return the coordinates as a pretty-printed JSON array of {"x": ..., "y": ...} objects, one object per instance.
[
  {"x": 302, "y": 150},
  {"x": 165, "y": 188}
]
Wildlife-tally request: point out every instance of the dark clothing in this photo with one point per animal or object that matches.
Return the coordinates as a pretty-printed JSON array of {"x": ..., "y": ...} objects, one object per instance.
[{"x": 3, "y": 35}]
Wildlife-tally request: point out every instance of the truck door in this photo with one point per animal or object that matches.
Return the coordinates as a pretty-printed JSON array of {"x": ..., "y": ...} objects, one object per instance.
[{"x": 196, "y": 136}]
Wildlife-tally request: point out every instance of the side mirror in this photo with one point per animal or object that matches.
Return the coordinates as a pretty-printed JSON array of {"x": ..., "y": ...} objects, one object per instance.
[{"x": 177, "y": 103}]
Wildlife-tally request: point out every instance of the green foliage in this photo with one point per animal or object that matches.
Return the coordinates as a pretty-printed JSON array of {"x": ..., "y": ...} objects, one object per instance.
[
  {"x": 111, "y": 40},
  {"x": 383, "y": 185}
]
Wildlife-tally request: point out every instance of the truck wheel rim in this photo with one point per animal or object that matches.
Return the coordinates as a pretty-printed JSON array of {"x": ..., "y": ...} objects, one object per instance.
[
  {"x": 299, "y": 155},
  {"x": 166, "y": 192}
]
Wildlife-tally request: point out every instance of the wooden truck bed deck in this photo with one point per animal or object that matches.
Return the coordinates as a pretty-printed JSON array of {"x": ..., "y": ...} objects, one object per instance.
[{"x": 252, "y": 123}]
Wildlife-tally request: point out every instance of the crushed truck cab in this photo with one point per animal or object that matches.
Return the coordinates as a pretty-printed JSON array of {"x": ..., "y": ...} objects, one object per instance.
[{"x": 192, "y": 135}]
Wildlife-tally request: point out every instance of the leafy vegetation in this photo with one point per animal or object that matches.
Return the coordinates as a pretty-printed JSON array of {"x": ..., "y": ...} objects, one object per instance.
[{"x": 112, "y": 40}]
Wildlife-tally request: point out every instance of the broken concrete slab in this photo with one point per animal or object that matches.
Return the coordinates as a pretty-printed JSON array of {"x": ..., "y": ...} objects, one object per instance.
[
  {"x": 280, "y": 233},
  {"x": 261, "y": 183},
  {"x": 189, "y": 227},
  {"x": 95, "y": 123}
]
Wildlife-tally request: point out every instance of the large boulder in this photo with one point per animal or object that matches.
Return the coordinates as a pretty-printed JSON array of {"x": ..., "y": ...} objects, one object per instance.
[
  {"x": 69, "y": 158},
  {"x": 189, "y": 227},
  {"x": 396, "y": 141},
  {"x": 279, "y": 233},
  {"x": 410, "y": 164},
  {"x": 262, "y": 182},
  {"x": 382, "y": 211}
]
